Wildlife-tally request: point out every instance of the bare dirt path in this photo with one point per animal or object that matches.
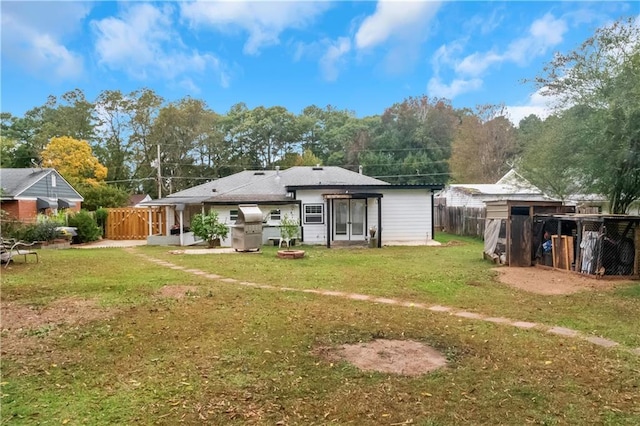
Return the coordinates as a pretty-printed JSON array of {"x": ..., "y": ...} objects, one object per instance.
[{"x": 550, "y": 282}]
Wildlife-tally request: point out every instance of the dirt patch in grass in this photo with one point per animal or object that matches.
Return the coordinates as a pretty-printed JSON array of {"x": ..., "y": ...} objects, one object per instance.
[
  {"x": 177, "y": 291},
  {"x": 26, "y": 328},
  {"x": 549, "y": 282},
  {"x": 404, "y": 357}
]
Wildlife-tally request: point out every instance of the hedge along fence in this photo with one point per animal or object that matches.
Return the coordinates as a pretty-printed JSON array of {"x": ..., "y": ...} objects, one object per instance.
[{"x": 467, "y": 221}]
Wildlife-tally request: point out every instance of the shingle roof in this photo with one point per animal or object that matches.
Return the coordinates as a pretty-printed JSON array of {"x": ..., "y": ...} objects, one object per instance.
[
  {"x": 271, "y": 185},
  {"x": 15, "y": 181}
]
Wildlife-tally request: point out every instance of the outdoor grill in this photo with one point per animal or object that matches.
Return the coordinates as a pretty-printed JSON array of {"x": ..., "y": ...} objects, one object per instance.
[{"x": 246, "y": 234}]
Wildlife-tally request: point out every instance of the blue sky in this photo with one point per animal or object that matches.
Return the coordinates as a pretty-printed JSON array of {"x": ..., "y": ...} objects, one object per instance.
[{"x": 362, "y": 56}]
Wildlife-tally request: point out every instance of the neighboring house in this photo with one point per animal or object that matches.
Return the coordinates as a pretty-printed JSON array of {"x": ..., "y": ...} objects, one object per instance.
[
  {"x": 333, "y": 206},
  {"x": 597, "y": 204},
  {"x": 27, "y": 192},
  {"x": 135, "y": 200},
  {"x": 511, "y": 186}
]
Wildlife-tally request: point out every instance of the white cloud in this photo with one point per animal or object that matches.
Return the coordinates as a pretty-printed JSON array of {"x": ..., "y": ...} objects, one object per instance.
[
  {"x": 536, "y": 104},
  {"x": 334, "y": 57},
  {"x": 142, "y": 43},
  {"x": 33, "y": 37},
  {"x": 436, "y": 88},
  {"x": 395, "y": 20},
  {"x": 543, "y": 34},
  {"x": 263, "y": 20},
  {"x": 477, "y": 63}
]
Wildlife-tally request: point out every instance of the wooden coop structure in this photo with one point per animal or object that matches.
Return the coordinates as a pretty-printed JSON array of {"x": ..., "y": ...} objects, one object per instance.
[
  {"x": 592, "y": 244},
  {"x": 508, "y": 236}
]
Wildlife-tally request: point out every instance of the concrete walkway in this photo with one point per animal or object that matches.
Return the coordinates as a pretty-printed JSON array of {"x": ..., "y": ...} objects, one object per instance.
[
  {"x": 110, "y": 244},
  {"x": 555, "y": 330}
]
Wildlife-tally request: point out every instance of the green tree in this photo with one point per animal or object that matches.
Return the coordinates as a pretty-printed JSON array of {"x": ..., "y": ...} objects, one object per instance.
[
  {"x": 484, "y": 147},
  {"x": 103, "y": 196},
  {"x": 602, "y": 77},
  {"x": 74, "y": 160}
]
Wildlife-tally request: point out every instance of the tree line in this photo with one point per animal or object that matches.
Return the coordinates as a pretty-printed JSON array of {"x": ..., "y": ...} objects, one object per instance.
[{"x": 148, "y": 144}]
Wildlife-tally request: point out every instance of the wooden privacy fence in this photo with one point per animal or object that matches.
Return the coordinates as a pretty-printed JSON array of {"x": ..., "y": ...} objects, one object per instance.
[
  {"x": 132, "y": 223},
  {"x": 460, "y": 220}
]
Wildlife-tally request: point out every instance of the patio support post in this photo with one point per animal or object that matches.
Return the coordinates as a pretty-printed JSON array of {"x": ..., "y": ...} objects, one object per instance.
[
  {"x": 379, "y": 222},
  {"x": 328, "y": 223},
  {"x": 181, "y": 228}
]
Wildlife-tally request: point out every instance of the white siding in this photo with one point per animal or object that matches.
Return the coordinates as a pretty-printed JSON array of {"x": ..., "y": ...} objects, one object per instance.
[
  {"x": 314, "y": 233},
  {"x": 406, "y": 217}
]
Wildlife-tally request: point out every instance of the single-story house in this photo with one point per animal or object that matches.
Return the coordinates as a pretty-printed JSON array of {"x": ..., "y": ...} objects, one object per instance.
[
  {"x": 135, "y": 200},
  {"x": 511, "y": 186},
  {"x": 333, "y": 206},
  {"x": 27, "y": 192},
  {"x": 597, "y": 204}
]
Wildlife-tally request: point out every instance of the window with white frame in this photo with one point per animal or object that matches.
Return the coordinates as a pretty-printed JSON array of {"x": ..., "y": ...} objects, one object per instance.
[
  {"x": 233, "y": 215},
  {"x": 275, "y": 214},
  {"x": 54, "y": 181},
  {"x": 314, "y": 213}
]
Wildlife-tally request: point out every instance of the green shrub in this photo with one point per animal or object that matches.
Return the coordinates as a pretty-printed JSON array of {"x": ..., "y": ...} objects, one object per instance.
[
  {"x": 42, "y": 231},
  {"x": 208, "y": 227},
  {"x": 87, "y": 228},
  {"x": 101, "y": 218}
]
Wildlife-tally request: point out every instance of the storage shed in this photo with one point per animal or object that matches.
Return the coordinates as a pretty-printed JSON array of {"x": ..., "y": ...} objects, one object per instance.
[
  {"x": 592, "y": 244},
  {"x": 508, "y": 235}
]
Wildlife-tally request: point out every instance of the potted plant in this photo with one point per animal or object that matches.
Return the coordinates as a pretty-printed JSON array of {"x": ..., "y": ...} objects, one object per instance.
[
  {"x": 208, "y": 227},
  {"x": 289, "y": 229}
]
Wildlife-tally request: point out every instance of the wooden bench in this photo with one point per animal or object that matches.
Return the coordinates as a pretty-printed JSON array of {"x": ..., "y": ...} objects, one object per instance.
[{"x": 12, "y": 248}]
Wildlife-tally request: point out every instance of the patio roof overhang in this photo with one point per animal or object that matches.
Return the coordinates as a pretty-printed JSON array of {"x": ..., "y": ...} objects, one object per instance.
[
  {"x": 351, "y": 195},
  {"x": 174, "y": 201}
]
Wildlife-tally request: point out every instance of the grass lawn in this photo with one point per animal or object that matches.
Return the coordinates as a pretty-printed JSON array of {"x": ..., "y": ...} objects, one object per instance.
[{"x": 98, "y": 345}]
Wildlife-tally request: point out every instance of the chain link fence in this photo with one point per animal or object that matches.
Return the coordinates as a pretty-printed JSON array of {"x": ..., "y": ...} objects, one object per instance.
[{"x": 602, "y": 247}]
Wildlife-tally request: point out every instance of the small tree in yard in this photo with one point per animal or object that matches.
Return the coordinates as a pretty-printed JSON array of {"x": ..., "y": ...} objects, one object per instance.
[
  {"x": 288, "y": 228},
  {"x": 209, "y": 228}
]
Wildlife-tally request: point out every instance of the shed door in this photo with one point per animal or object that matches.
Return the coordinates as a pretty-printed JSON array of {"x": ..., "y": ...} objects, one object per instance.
[{"x": 520, "y": 244}]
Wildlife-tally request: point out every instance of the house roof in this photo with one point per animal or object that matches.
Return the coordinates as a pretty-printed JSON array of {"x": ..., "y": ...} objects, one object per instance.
[
  {"x": 138, "y": 198},
  {"x": 15, "y": 181},
  {"x": 510, "y": 184},
  {"x": 30, "y": 182},
  {"x": 270, "y": 185}
]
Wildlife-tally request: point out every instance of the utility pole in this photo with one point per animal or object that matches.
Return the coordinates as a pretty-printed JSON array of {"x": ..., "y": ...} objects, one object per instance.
[{"x": 159, "y": 175}]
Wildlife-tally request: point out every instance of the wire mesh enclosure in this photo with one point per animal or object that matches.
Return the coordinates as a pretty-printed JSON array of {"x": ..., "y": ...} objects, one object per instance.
[{"x": 601, "y": 245}]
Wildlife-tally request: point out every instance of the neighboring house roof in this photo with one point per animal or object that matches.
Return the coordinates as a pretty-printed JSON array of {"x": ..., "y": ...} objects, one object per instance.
[
  {"x": 511, "y": 184},
  {"x": 32, "y": 182},
  {"x": 136, "y": 199},
  {"x": 272, "y": 185}
]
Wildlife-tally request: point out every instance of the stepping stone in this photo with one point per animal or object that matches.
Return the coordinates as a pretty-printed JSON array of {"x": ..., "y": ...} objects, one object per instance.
[
  {"x": 561, "y": 331},
  {"x": 213, "y": 276},
  {"x": 499, "y": 320},
  {"x": 635, "y": 351},
  {"x": 414, "y": 305},
  {"x": 600, "y": 341},
  {"x": 332, "y": 293},
  {"x": 359, "y": 297},
  {"x": 387, "y": 301},
  {"x": 468, "y": 315},
  {"x": 229, "y": 280},
  {"x": 438, "y": 308},
  {"x": 524, "y": 324}
]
